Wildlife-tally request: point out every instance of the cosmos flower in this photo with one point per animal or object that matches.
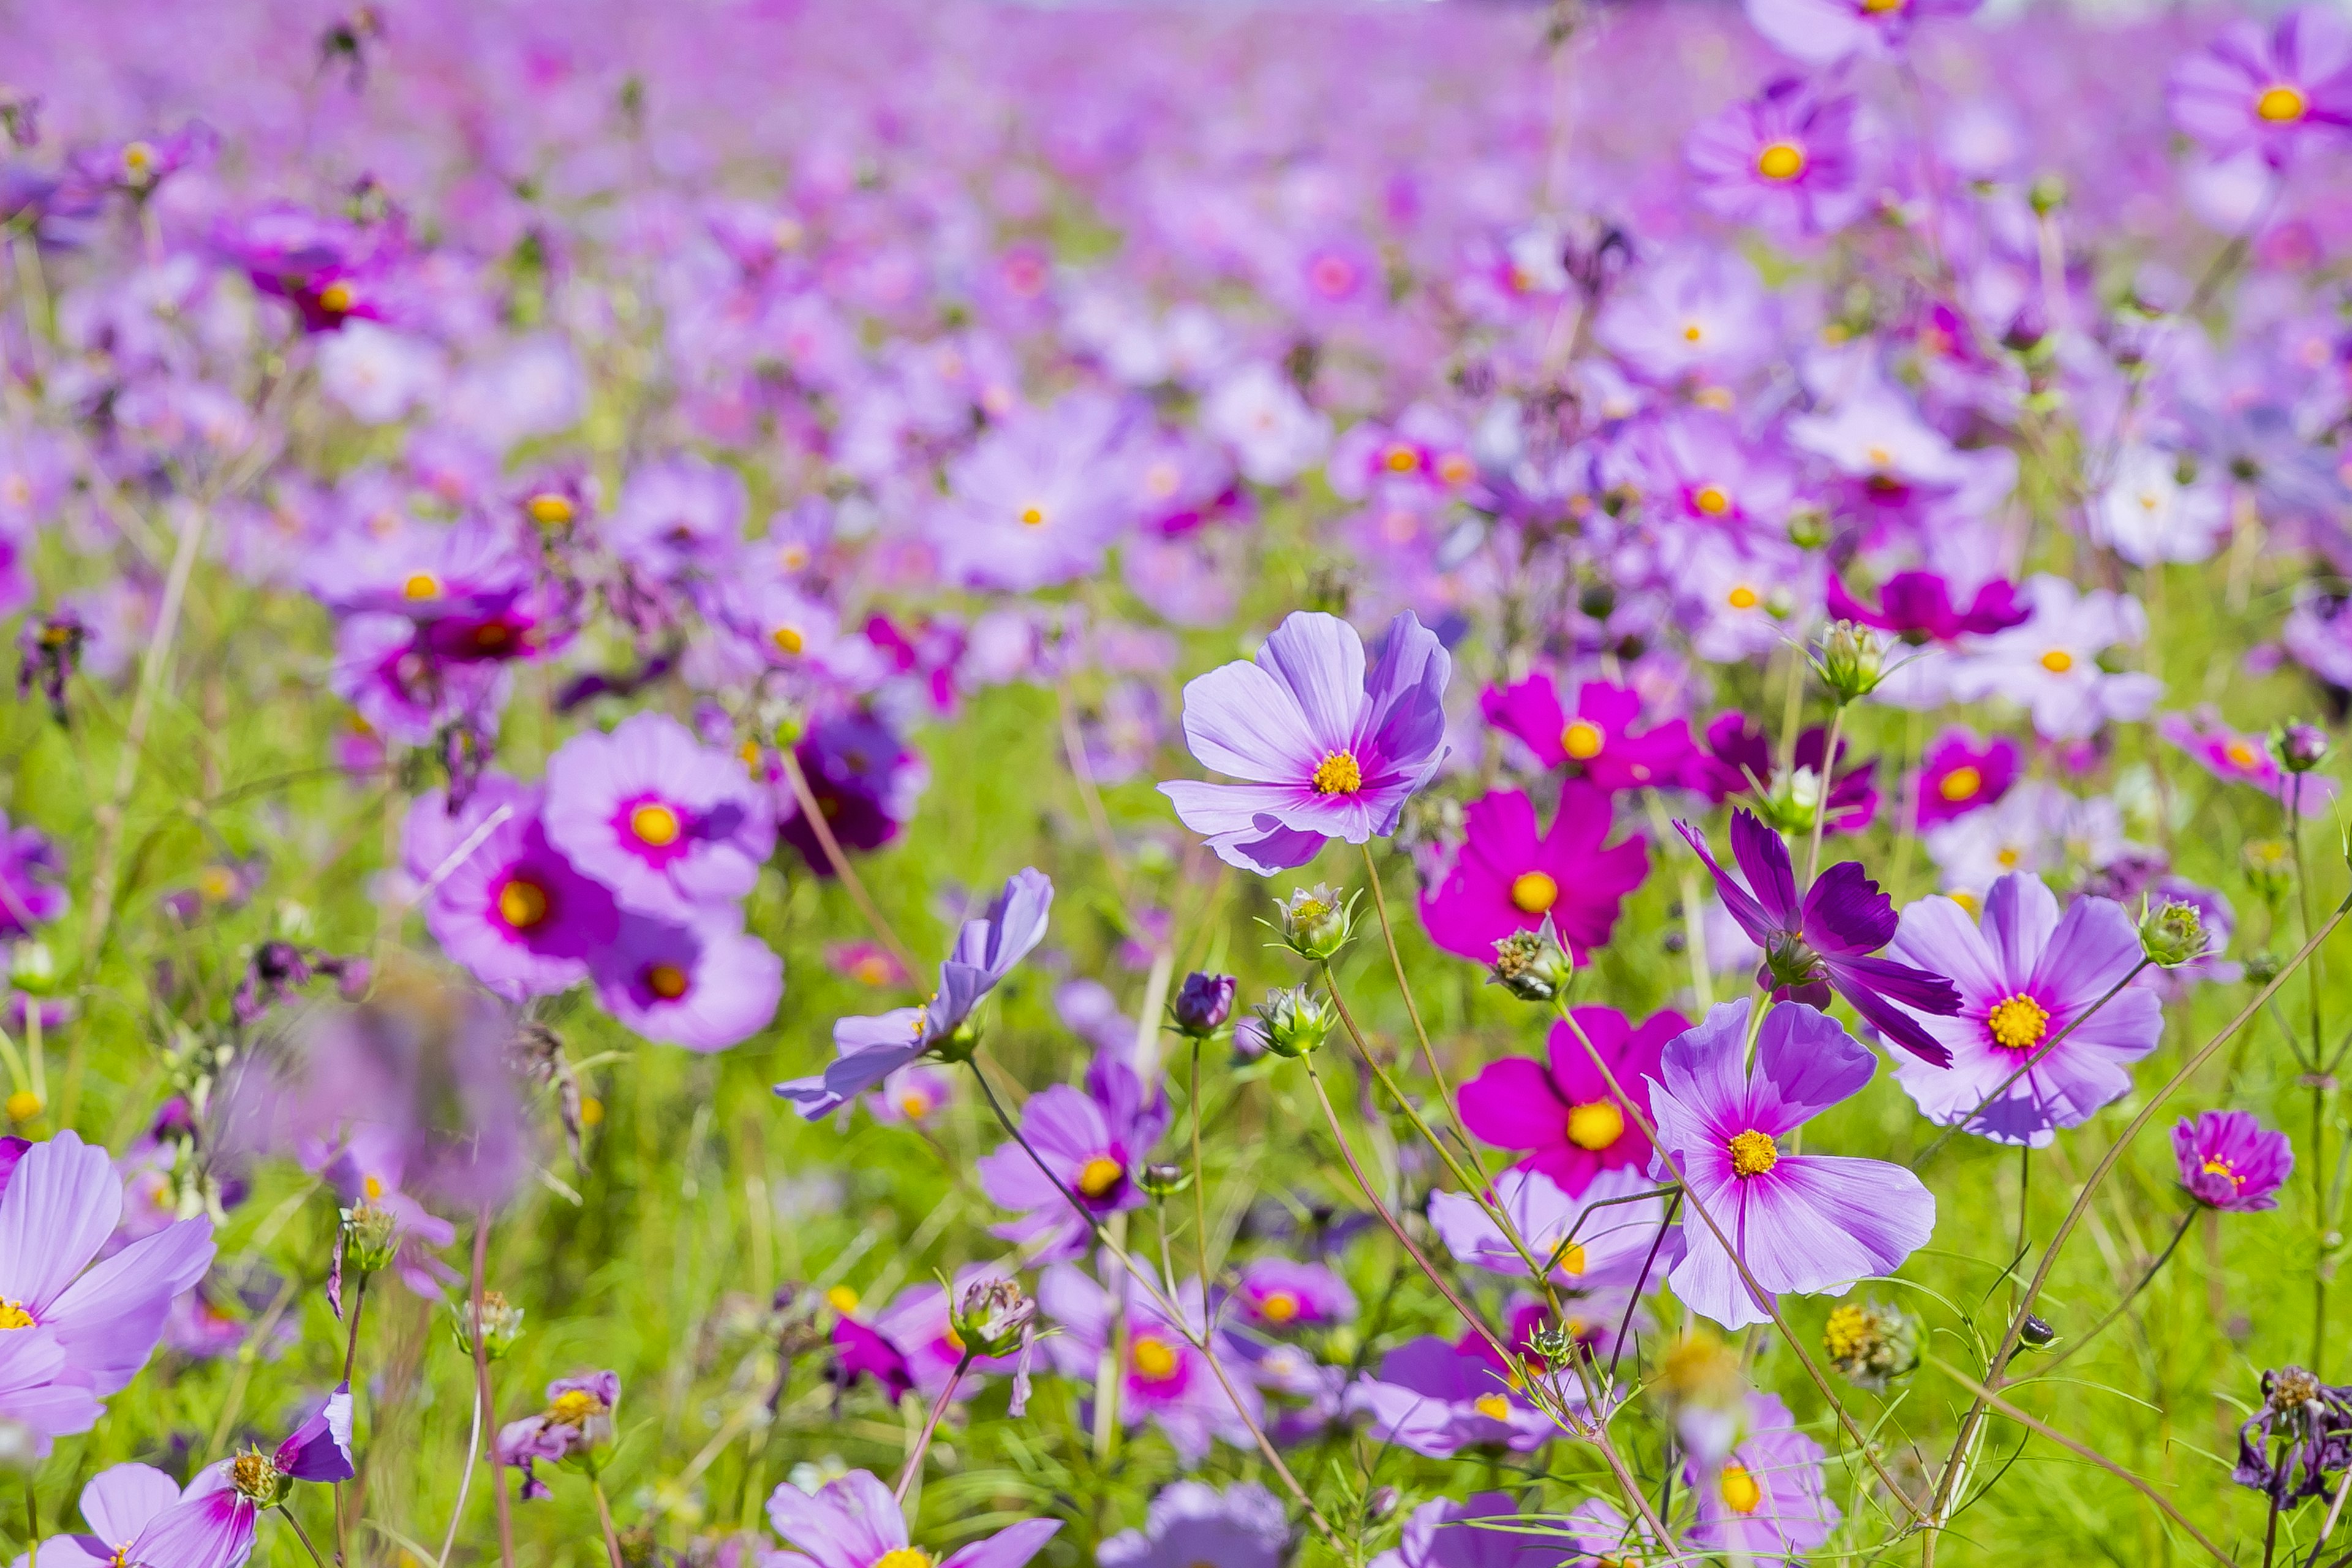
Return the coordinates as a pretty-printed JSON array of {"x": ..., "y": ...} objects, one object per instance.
[
  {"x": 499, "y": 898},
  {"x": 579, "y": 1417},
  {"x": 2271, "y": 89},
  {"x": 2238, "y": 758},
  {"x": 1281, "y": 1294},
  {"x": 1804, "y": 1223},
  {"x": 1697, "y": 311},
  {"x": 1561, "y": 1110},
  {"x": 2050, "y": 664},
  {"x": 704, "y": 982},
  {"x": 119, "y": 1504},
  {"x": 1918, "y": 606},
  {"x": 1597, "y": 742},
  {"x": 1332, "y": 750},
  {"x": 1589, "y": 1248},
  {"x": 670, "y": 825},
  {"x": 1166, "y": 1381},
  {"x": 1274, "y": 434},
  {"x": 1509, "y": 877},
  {"x": 864, "y": 780},
  {"x": 1034, "y": 503},
  {"x": 30, "y": 870},
  {"x": 677, "y": 514},
  {"x": 1483, "y": 1530},
  {"x": 855, "y": 1523},
  {"x": 1091, "y": 1142},
  {"x": 1787, "y": 160},
  {"x": 1769, "y": 1499},
  {"x": 1822, "y": 942},
  {"x": 2228, "y": 1160},
  {"x": 1959, "y": 773},
  {"x": 1820, "y": 32},
  {"x": 1740, "y": 759},
  {"x": 2149, "y": 513},
  {"x": 215, "y": 1520},
  {"x": 1189, "y": 1523},
  {"x": 2025, "y": 975},
  {"x": 1438, "y": 1398}
]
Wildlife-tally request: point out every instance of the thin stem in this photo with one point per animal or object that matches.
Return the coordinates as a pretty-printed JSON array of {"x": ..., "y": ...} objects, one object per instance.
[
  {"x": 1200, "y": 1173},
  {"x": 604, "y": 1518},
  {"x": 2327, "y": 1525},
  {"x": 464, "y": 1481},
  {"x": 351, "y": 1358},
  {"x": 1625, "y": 1324},
  {"x": 301, "y": 1535},
  {"x": 2130, "y": 1296},
  {"x": 1411, "y": 1008},
  {"x": 1821, "y": 806},
  {"x": 482, "y": 1384},
  {"x": 930, "y": 1424},
  {"x": 842, "y": 870}
]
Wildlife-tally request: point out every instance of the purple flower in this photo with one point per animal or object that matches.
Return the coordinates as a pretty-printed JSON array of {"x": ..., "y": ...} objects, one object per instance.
[
  {"x": 30, "y": 868},
  {"x": 2050, "y": 663},
  {"x": 855, "y": 1523},
  {"x": 1438, "y": 1398},
  {"x": 1742, "y": 760},
  {"x": 577, "y": 1418},
  {"x": 1089, "y": 1142},
  {"x": 1332, "y": 751},
  {"x": 1035, "y": 503},
  {"x": 1700, "y": 312},
  {"x": 1770, "y": 1499},
  {"x": 500, "y": 899},
  {"x": 213, "y": 1524},
  {"x": 2242, "y": 759},
  {"x": 1917, "y": 607},
  {"x": 1203, "y": 1003},
  {"x": 1787, "y": 160},
  {"x": 1483, "y": 1530},
  {"x": 2271, "y": 89},
  {"x": 1589, "y": 1248},
  {"x": 668, "y": 824},
  {"x": 2229, "y": 1161},
  {"x": 1190, "y": 1522},
  {"x": 864, "y": 780},
  {"x": 1166, "y": 1381},
  {"x": 119, "y": 1504},
  {"x": 1820, "y": 32},
  {"x": 682, "y": 513},
  {"x": 1959, "y": 773},
  {"x": 1280, "y": 1293},
  {"x": 1822, "y": 943},
  {"x": 704, "y": 983},
  {"x": 873, "y": 1048},
  {"x": 2024, "y": 976},
  {"x": 1803, "y": 1223}
]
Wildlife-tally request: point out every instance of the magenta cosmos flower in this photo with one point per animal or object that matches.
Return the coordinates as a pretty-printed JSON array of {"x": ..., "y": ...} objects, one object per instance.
[
  {"x": 1561, "y": 1110},
  {"x": 2229, "y": 1161},
  {"x": 1824, "y": 942},
  {"x": 2242, "y": 759},
  {"x": 2272, "y": 89},
  {"x": 1330, "y": 748},
  {"x": 1281, "y": 1293},
  {"x": 1918, "y": 607},
  {"x": 666, "y": 822},
  {"x": 213, "y": 1524},
  {"x": 119, "y": 1505},
  {"x": 1508, "y": 876},
  {"x": 1959, "y": 773},
  {"x": 855, "y": 1523},
  {"x": 2024, "y": 976},
  {"x": 1090, "y": 1141},
  {"x": 1787, "y": 160},
  {"x": 1740, "y": 759},
  {"x": 500, "y": 899},
  {"x": 1803, "y": 1223},
  {"x": 1598, "y": 740},
  {"x": 704, "y": 983},
  {"x": 1769, "y": 1499}
]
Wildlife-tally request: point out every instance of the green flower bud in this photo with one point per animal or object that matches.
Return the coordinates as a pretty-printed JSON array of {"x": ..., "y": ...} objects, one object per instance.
[
  {"x": 1316, "y": 921},
  {"x": 990, "y": 1316},
  {"x": 1850, "y": 661},
  {"x": 1871, "y": 1344},
  {"x": 1296, "y": 1021},
  {"x": 2172, "y": 932},
  {"x": 370, "y": 1236},
  {"x": 33, "y": 967},
  {"x": 1532, "y": 965},
  {"x": 501, "y": 1325},
  {"x": 1163, "y": 1181}
]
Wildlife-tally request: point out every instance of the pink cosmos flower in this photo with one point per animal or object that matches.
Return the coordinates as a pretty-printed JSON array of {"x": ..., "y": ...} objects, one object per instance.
[
  {"x": 668, "y": 824},
  {"x": 1561, "y": 1109},
  {"x": 1959, "y": 773},
  {"x": 2237, "y": 758},
  {"x": 1769, "y": 1499},
  {"x": 501, "y": 899},
  {"x": 2228, "y": 1160},
  {"x": 1598, "y": 740},
  {"x": 704, "y": 983},
  {"x": 579, "y": 1416},
  {"x": 1787, "y": 160},
  {"x": 119, "y": 1504},
  {"x": 2271, "y": 89},
  {"x": 1281, "y": 1294},
  {"x": 1508, "y": 876},
  {"x": 855, "y": 1523},
  {"x": 1803, "y": 1223},
  {"x": 1190, "y": 1522}
]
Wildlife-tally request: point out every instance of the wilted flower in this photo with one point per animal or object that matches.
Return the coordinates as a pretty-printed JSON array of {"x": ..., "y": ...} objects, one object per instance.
[
  {"x": 2301, "y": 1435},
  {"x": 501, "y": 1325},
  {"x": 1532, "y": 965},
  {"x": 577, "y": 1421},
  {"x": 1871, "y": 1342},
  {"x": 992, "y": 1316}
]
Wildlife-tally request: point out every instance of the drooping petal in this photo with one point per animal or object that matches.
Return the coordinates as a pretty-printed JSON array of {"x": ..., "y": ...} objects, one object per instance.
[
  {"x": 1864, "y": 984},
  {"x": 321, "y": 1449},
  {"x": 1750, "y": 915}
]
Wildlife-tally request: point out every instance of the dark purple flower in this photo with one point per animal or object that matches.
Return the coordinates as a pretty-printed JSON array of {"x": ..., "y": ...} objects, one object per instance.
[
  {"x": 1917, "y": 607},
  {"x": 864, "y": 780},
  {"x": 2314, "y": 1421},
  {"x": 2229, "y": 1161},
  {"x": 1740, "y": 760},
  {"x": 1822, "y": 942}
]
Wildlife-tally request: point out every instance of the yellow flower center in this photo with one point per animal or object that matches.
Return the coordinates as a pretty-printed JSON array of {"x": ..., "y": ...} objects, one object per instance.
[
  {"x": 2241, "y": 753},
  {"x": 914, "y": 1104},
  {"x": 1532, "y": 892},
  {"x": 788, "y": 639},
  {"x": 1337, "y": 774},
  {"x": 666, "y": 981},
  {"x": 1742, "y": 597},
  {"x": 1596, "y": 1124},
  {"x": 254, "y": 1476},
  {"x": 1401, "y": 459},
  {"x": 575, "y": 1406},
  {"x": 23, "y": 1106},
  {"x": 1754, "y": 1152},
  {"x": 1493, "y": 1406},
  {"x": 1781, "y": 160},
  {"x": 2057, "y": 661},
  {"x": 522, "y": 904},
  {"x": 1155, "y": 1359},
  {"x": 904, "y": 1557},
  {"x": 1098, "y": 1176},
  {"x": 1455, "y": 469},
  {"x": 1961, "y": 783},
  {"x": 1741, "y": 1492},
  {"x": 371, "y": 1184},
  {"x": 1279, "y": 1307},
  {"x": 14, "y": 1316},
  {"x": 1710, "y": 499},
  {"x": 1880, "y": 7},
  {"x": 1033, "y": 517},
  {"x": 420, "y": 585},
  {"x": 1582, "y": 740},
  {"x": 137, "y": 157},
  {"x": 2018, "y": 1022},
  {"x": 1847, "y": 1330},
  {"x": 2214, "y": 1166},
  {"x": 1692, "y": 332},
  {"x": 842, "y": 1299},
  {"x": 2282, "y": 104},
  {"x": 549, "y": 508},
  {"x": 654, "y": 824},
  {"x": 336, "y": 298},
  {"x": 1569, "y": 1259}
]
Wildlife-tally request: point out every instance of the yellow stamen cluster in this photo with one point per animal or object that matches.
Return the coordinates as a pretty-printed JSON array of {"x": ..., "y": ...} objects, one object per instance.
[
  {"x": 575, "y": 1406},
  {"x": 654, "y": 824},
  {"x": 2057, "y": 661},
  {"x": 1582, "y": 740},
  {"x": 666, "y": 981},
  {"x": 1533, "y": 892},
  {"x": 1754, "y": 1152},
  {"x": 2280, "y": 104},
  {"x": 2214, "y": 1166},
  {"x": 14, "y": 1316},
  {"x": 1961, "y": 783},
  {"x": 1781, "y": 160},
  {"x": 522, "y": 904},
  {"x": 1493, "y": 1406},
  {"x": 1279, "y": 1307},
  {"x": 1098, "y": 1176},
  {"x": 2018, "y": 1022},
  {"x": 1337, "y": 774},
  {"x": 1155, "y": 1359},
  {"x": 1742, "y": 1493},
  {"x": 1595, "y": 1125}
]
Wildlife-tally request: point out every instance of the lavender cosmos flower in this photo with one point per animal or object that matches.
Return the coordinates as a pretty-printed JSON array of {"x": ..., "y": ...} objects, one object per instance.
[
  {"x": 499, "y": 898},
  {"x": 1597, "y": 742},
  {"x": 1483, "y": 1530},
  {"x": 855, "y": 1523},
  {"x": 1822, "y": 942},
  {"x": 1509, "y": 877},
  {"x": 1332, "y": 750},
  {"x": 1803, "y": 1223},
  {"x": 2025, "y": 975},
  {"x": 1090, "y": 1141},
  {"x": 1820, "y": 32},
  {"x": 2050, "y": 664},
  {"x": 2229, "y": 1161},
  {"x": 1959, "y": 773},
  {"x": 1588, "y": 1248},
  {"x": 215, "y": 1520},
  {"x": 2269, "y": 89},
  {"x": 1033, "y": 502},
  {"x": 2150, "y": 513},
  {"x": 665, "y": 821},
  {"x": 1438, "y": 1398},
  {"x": 1279, "y": 1293},
  {"x": 578, "y": 1418},
  {"x": 119, "y": 1504},
  {"x": 873, "y": 1048},
  {"x": 704, "y": 983},
  {"x": 677, "y": 514},
  {"x": 1166, "y": 1380},
  {"x": 30, "y": 868},
  {"x": 1561, "y": 1110},
  {"x": 1190, "y": 1522},
  {"x": 1699, "y": 311},
  {"x": 1787, "y": 160},
  {"x": 1769, "y": 1499}
]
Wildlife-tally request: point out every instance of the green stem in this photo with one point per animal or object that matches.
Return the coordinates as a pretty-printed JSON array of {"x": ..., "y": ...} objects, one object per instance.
[{"x": 2130, "y": 1296}]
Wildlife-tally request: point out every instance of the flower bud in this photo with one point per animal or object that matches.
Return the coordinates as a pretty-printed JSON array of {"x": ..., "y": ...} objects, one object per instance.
[
  {"x": 990, "y": 1316},
  {"x": 1203, "y": 1003},
  {"x": 1163, "y": 1181},
  {"x": 2172, "y": 934},
  {"x": 1296, "y": 1021},
  {"x": 1532, "y": 965},
  {"x": 1380, "y": 1504},
  {"x": 370, "y": 1237},
  {"x": 2270, "y": 866},
  {"x": 2299, "y": 748},
  {"x": 1316, "y": 921},
  {"x": 2036, "y": 1335},
  {"x": 1850, "y": 662},
  {"x": 33, "y": 967},
  {"x": 501, "y": 1325},
  {"x": 2046, "y": 194},
  {"x": 1871, "y": 1344}
]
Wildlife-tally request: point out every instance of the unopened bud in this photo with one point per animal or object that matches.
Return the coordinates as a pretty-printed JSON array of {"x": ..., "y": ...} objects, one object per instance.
[
  {"x": 2046, "y": 194},
  {"x": 1850, "y": 661},
  {"x": 1871, "y": 1344},
  {"x": 1316, "y": 921},
  {"x": 33, "y": 967},
  {"x": 1379, "y": 1503},
  {"x": 1203, "y": 1003},
  {"x": 1163, "y": 1181},
  {"x": 370, "y": 1237},
  {"x": 2299, "y": 748},
  {"x": 2036, "y": 1335},
  {"x": 501, "y": 1325},
  {"x": 2270, "y": 866},
  {"x": 2172, "y": 933},
  {"x": 990, "y": 1316},
  {"x": 1532, "y": 965},
  {"x": 1296, "y": 1021}
]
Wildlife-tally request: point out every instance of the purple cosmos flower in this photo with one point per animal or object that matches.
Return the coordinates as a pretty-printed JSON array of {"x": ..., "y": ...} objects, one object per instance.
[
  {"x": 2050, "y": 664},
  {"x": 2229, "y": 1161},
  {"x": 1589, "y": 1248},
  {"x": 1332, "y": 750},
  {"x": 1561, "y": 1110},
  {"x": 704, "y": 984},
  {"x": 500, "y": 899},
  {"x": 665, "y": 821},
  {"x": 1275, "y": 435},
  {"x": 864, "y": 780},
  {"x": 1190, "y": 1522},
  {"x": 861, "y": 1350},
  {"x": 2149, "y": 513},
  {"x": 1700, "y": 312},
  {"x": 2025, "y": 975},
  {"x": 1822, "y": 942},
  {"x": 2271, "y": 89},
  {"x": 1035, "y": 503},
  {"x": 1917, "y": 607},
  {"x": 212, "y": 1523},
  {"x": 1821, "y": 32},
  {"x": 1787, "y": 160},
  {"x": 578, "y": 1418},
  {"x": 1438, "y": 1398},
  {"x": 1597, "y": 742},
  {"x": 328, "y": 269},
  {"x": 1166, "y": 1381},
  {"x": 2242, "y": 759},
  {"x": 873, "y": 1048},
  {"x": 1483, "y": 1530},
  {"x": 30, "y": 868},
  {"x": 365, "y": 1165},
  {"x": 1740, "y": 759},
  {"x": 855, "y": 1523},
  {"x": 1279, "y": 1293},
  {"x": 1508, "y": 877},
  {"x": 1958, "y": 773},
  {"x": 1803, "y": 1223},
  {"x": 1769, "y": 1499},
  {"x": 682, "y": 513},
  {"x": 1090, "y": 1141},
  {"x": 119, "y": 1504}
]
